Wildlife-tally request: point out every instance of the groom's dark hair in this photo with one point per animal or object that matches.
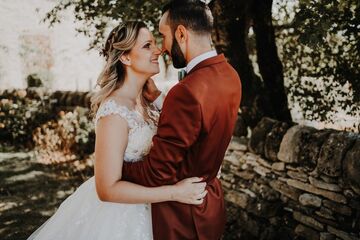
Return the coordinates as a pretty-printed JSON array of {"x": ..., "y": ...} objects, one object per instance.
[{"x": 192, "y": 14}]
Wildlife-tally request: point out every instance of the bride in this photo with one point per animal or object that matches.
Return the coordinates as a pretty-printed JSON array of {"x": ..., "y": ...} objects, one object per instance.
[{"x": 105, "y": 207}]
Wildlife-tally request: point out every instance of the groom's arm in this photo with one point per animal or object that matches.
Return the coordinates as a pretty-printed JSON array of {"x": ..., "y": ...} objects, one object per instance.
[{"x": 179, "y": 127}]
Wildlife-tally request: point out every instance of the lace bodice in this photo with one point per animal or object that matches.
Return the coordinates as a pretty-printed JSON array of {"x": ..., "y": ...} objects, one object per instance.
[{"x": 140, "y": 131}]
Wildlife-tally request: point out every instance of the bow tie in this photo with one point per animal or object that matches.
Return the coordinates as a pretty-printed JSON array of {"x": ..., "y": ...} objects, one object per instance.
[{"x": 181, "y": 74}]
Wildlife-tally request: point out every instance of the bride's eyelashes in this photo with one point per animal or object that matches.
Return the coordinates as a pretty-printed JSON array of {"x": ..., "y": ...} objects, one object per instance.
[{"x": 147, "y": 45}]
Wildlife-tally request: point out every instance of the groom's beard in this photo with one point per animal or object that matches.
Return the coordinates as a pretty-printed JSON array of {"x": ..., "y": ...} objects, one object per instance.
[{"x": 177, "y": 56}]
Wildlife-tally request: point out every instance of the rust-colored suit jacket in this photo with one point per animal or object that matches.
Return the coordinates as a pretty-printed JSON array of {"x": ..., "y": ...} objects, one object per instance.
[{"x": 194, "y": 130}]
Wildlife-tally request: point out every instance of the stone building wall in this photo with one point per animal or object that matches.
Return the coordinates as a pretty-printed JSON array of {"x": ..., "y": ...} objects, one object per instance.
[{"x": 294, "y": 182}]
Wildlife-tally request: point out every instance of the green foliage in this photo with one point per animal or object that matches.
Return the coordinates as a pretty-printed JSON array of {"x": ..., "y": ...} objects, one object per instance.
[
  {"x": 33, "y": 80},
  {"x": 318, "y": 41},
  {"x": 71, "y": 136},
  {"x": 320, "y": 52},
  {"x": 21, "y": 112},
  {"x": 96, "y": 16}
]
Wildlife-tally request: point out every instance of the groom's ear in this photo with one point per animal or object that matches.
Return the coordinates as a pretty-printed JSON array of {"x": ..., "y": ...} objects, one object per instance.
[
  {"x": 125, "y": 59},
  {"x": 181, "y": 34}
]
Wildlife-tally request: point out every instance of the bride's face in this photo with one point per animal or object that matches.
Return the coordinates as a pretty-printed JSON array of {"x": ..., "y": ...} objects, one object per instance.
[{"x": 144, "y": 55}]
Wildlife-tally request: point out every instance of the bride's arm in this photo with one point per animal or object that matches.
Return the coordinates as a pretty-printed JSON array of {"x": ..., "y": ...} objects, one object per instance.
[{"x": 111, "y": 142}]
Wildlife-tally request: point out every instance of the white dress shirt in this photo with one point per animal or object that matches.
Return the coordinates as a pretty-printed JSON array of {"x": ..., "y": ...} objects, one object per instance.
[{"x": 195, "y": 61}]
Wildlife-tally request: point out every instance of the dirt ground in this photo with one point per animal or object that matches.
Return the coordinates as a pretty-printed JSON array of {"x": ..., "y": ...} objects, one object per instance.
[{"x": 30, "y": 192}]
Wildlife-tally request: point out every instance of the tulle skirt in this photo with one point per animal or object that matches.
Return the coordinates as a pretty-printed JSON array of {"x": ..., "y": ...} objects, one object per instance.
[{"x": 82, "y": 216}]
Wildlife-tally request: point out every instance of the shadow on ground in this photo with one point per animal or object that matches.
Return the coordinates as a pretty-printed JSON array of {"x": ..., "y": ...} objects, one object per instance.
[{"x": 30, "y": 193}]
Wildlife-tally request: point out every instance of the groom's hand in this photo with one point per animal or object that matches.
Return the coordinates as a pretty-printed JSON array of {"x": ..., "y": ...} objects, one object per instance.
[{"x": 150, "y": 91}]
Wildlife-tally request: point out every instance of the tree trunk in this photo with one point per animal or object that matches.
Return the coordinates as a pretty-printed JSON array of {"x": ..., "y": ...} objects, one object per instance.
[
  {"x": 268, "y": 60},
  {"x": 232, "y": 21}
]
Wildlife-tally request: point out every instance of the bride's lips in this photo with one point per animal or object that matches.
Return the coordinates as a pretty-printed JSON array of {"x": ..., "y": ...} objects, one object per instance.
[{"x": 155, "y": 61}]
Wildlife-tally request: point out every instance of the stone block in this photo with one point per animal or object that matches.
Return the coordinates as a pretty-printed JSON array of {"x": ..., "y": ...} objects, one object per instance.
[
  {"x": 309, "y": 188},
  {"x": 332, "y": 153},
  {"x": 258, "y": 135},
  {"x": 307, "y": 199},
  {"x": 325, "y": 213},
  {"x": 298, "y": 175},
  {"x": 278, "y": 166},
  {"x": 233, "y": 159},
  {"x": 327, "y": 220},
  {"x": 328, "y": 179},
  {"x": 312, "y": 146},
  {"x": 264, "y": 162},
  {"x": 250, "y": 158},
  {"x": 273, "y": 140},
  {"x": 262, "y": 171},
  {"x": 306, "y": 232},
  {"x": 286, "y": 190},
  {"x": 226, "y": 185},
  {"x": 240, "y": 127},
  {"x": 237, "y": 146},
  {"x": 327, "y": 236},
  {"x": 292, "y": 142},
  {"x": 341, "y": 234},
  {"x": 246, "y": 175},
  {"x": 339, "y": 208},
  {"x": 308, "y": 221},
  {"x": 248, "y": 192},
  {"x": 239, "y": 199},
  {"x": 351, "y": 167},
  {"x": 324, "y": 185}
]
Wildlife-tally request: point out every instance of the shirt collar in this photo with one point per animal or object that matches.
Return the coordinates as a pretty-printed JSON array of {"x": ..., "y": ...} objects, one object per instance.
[{"x": 196, "y": 60}]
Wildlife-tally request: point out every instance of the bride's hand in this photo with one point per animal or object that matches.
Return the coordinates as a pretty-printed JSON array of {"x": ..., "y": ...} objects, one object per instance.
[{"x": 190, "y": 191}]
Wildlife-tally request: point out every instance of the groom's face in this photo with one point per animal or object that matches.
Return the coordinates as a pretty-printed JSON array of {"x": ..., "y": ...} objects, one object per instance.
[{"x": 170, "y": 45}]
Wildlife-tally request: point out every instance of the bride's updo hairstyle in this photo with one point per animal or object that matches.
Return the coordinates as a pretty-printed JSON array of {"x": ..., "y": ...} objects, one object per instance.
[{"x": 120, "y": 41}]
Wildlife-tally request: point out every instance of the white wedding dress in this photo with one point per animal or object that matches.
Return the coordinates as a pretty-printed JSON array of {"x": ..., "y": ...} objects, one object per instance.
[{"x": 82, "y": 216}]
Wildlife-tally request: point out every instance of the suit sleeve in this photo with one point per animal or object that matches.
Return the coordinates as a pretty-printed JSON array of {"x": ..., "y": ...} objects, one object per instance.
[{"x": 178, "y": 128}]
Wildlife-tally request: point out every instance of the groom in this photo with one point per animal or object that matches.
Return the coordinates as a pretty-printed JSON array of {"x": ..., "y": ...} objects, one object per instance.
[{"x": 195, "y": 126}]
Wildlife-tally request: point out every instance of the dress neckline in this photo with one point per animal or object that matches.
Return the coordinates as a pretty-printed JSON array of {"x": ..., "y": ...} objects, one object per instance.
[{"x": 126, "y": 107}]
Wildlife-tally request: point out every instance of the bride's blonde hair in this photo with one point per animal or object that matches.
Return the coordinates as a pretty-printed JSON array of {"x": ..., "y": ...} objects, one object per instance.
[{"x": 120, "y": 41}]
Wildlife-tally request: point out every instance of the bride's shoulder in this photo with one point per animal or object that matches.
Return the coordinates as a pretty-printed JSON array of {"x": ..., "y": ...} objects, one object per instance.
[{"x": 114, "y": 106}]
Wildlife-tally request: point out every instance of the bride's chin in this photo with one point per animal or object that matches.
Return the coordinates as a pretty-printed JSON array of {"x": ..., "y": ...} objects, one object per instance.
[{"x": 155, "y": 72}]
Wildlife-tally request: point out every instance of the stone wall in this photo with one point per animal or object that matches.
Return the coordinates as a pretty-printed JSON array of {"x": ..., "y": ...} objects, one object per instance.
[
  {"x": 71, "y": 99},
  {"x": 294, "y": 182}
]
